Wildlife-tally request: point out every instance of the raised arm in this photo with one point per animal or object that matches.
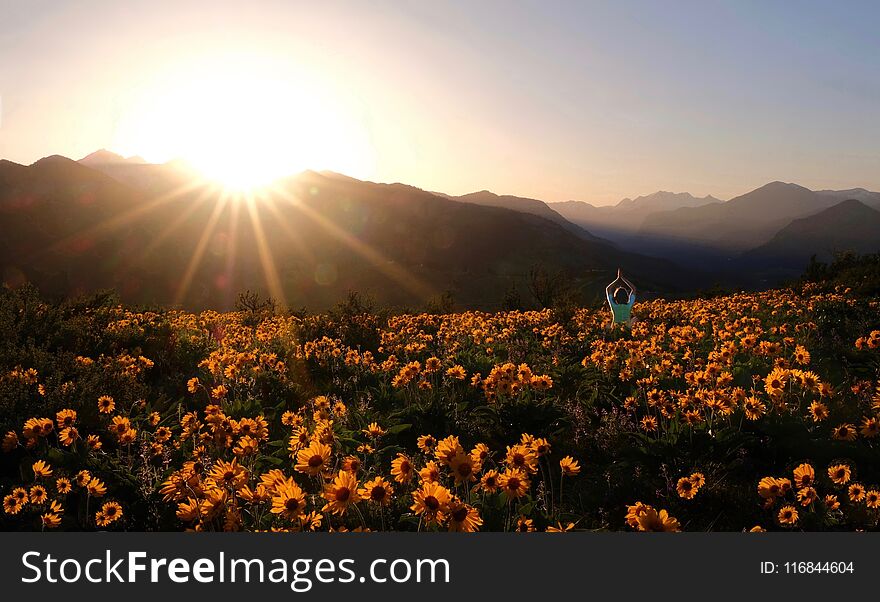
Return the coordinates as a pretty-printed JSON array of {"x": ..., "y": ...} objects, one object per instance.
[{"x": 631, "y": 286}]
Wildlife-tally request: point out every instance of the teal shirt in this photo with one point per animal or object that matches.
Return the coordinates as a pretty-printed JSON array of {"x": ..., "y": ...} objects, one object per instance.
[{"x": 622, "y": 312}]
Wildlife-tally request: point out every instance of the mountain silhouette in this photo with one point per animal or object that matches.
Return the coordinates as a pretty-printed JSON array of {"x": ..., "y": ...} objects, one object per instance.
[
  {"x": 847, "y": 226},
  {"x": 315, "y": 236},
  {"x": 620, "y": 222},
  {"x": 740, "y": 223},
  {"x": 524, "y": 205}
]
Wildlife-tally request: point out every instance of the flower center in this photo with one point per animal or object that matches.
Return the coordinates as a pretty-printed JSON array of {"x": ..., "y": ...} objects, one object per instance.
[{"x": 460, "y": 514}]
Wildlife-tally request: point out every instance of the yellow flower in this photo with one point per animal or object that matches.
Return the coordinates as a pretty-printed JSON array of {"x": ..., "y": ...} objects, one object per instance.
[
  {"x": 192, "y": 385},
  {"x": 312, "y": 459},
  {"x": 651, "y": 520},
  {"x": 431, "y": 501},
  {"x": 37, "y": 495},
  {"x": 378, "y": 491},
  {"x": 374, "y": 430},
  {"x": 430, "y": 473},
  {"x": 870, "y": 427},
  {"x": 522, "y": 457},
  {"x": 569, "y": 466},
  {"x": 50, "y": 520},
  {"x": 480, "y": 453},
  {"x": 229, "y": 474},
  {"x": 289, "y": 500},
  {"x": 106, "y": 405},
  {"x": 771, "y": 487},
  {"x": 427, "y": 443},
  {"x": 463, "y": 518},
  {"x": 872, "y": 499},
  {"x": 96, "y": 487},
  {"x": 65, "y": 418},
  {"x": 341, "y": 493},
  {"x": 806, "y": 496},
  {"x": 788, "y": 516},
  {"x": 402, "y": 469},
  {"x": 41, "y": 469},
  {"x": 560, "y": 528},
  {"x": 490, "y": 481},
  {"x": 839, "y": 473},
  {"x": 10, "y": 441},
  {"x": 801, "y": 355},
  {"x": 246, "y": 446},
  {"x": 844, "y": 432},
  {"x": 774, "y": 383},
  {"x": 686, "y": 488},
  {"x": 818, "y": 411},
  {"x": 856, "y": 492},
  {"x": 447, "y": 449},
  {"x": 804, "y": 475},
  {"x": 110, "y": 512},
  {"x": 68, "y": 436},
  {"x": 514, "y": 482}
]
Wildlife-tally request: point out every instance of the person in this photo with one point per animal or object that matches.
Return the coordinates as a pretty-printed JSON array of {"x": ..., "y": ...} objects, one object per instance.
[{"x": 621, "y": 295}]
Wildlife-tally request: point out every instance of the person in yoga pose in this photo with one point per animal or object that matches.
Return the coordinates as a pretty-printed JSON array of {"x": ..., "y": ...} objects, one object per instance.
[{"x": 621, "y": 295}]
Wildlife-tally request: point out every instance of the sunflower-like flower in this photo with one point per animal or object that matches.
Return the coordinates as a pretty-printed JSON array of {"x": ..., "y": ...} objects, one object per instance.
[
  {"x": 788, "y": 516},
  {"x": 228, "y": 474},
  {"x": 341, "y": 493},
  {"x": 378, "y": 491},
  {"x": 109, "y": 513},
  {"x": 840, "y": 474},
  {"x": 41, "y": 469},
  {"x": 106, "y": 405},
  {"x": 649, "y": 519},
  {"x": 463, "y": 517},
  {"x": 312, "y": 459},
  {"x": 289, "y": 500},
  {"x": 804, "y": 475},
  {"x": 402, "y": 469},
  {"x": 522, "y": 457},
  {"x": 447, "y": 449},
  {"x": 513, "y": 482},
  {"x": 464, "y": 468},
  {"x": 431, "y": 501},
  {"x": 569, "y": 466}
]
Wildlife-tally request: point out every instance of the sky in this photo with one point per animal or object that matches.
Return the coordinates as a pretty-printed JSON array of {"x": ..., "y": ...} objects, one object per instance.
[{"x": 591, "y": 101}]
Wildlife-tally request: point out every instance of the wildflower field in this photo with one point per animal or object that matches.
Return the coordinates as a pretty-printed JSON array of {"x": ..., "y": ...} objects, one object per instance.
[{"x": 740, "y": 412}]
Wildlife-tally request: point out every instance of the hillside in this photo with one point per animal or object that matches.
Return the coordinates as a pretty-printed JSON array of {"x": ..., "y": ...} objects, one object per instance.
[
  {"x": 620, "y": 222},
  {"x": 741, "y": 223},
  {"x": 317, "y": 236},
  {"x": 524, "y": 205},
  {"x": 848, "y": 226}
]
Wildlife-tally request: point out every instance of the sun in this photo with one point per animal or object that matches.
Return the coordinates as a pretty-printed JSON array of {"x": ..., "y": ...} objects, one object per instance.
[{"x": 246, "y": 120}]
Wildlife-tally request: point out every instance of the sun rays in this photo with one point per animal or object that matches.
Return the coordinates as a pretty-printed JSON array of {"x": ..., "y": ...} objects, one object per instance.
[{"x": 277, "y": 224}]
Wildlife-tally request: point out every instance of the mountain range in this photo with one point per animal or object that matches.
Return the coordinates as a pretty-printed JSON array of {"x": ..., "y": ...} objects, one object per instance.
[{"x": 159, "y": 235}]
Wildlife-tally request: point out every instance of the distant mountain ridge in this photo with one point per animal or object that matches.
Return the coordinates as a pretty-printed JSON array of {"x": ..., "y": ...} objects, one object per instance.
[
  {"x": 72, "y": 229},
  {"x": 619, "y": 222},
  {"x": 665, "y": 201},
  {"x": 108, "y": 221},
  {"x": 525, "y": 205},
  {"x": 847, "y": 226}
]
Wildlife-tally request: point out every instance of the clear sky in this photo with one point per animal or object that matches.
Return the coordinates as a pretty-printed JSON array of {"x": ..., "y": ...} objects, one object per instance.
[{"x": 557, "y": 100}]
